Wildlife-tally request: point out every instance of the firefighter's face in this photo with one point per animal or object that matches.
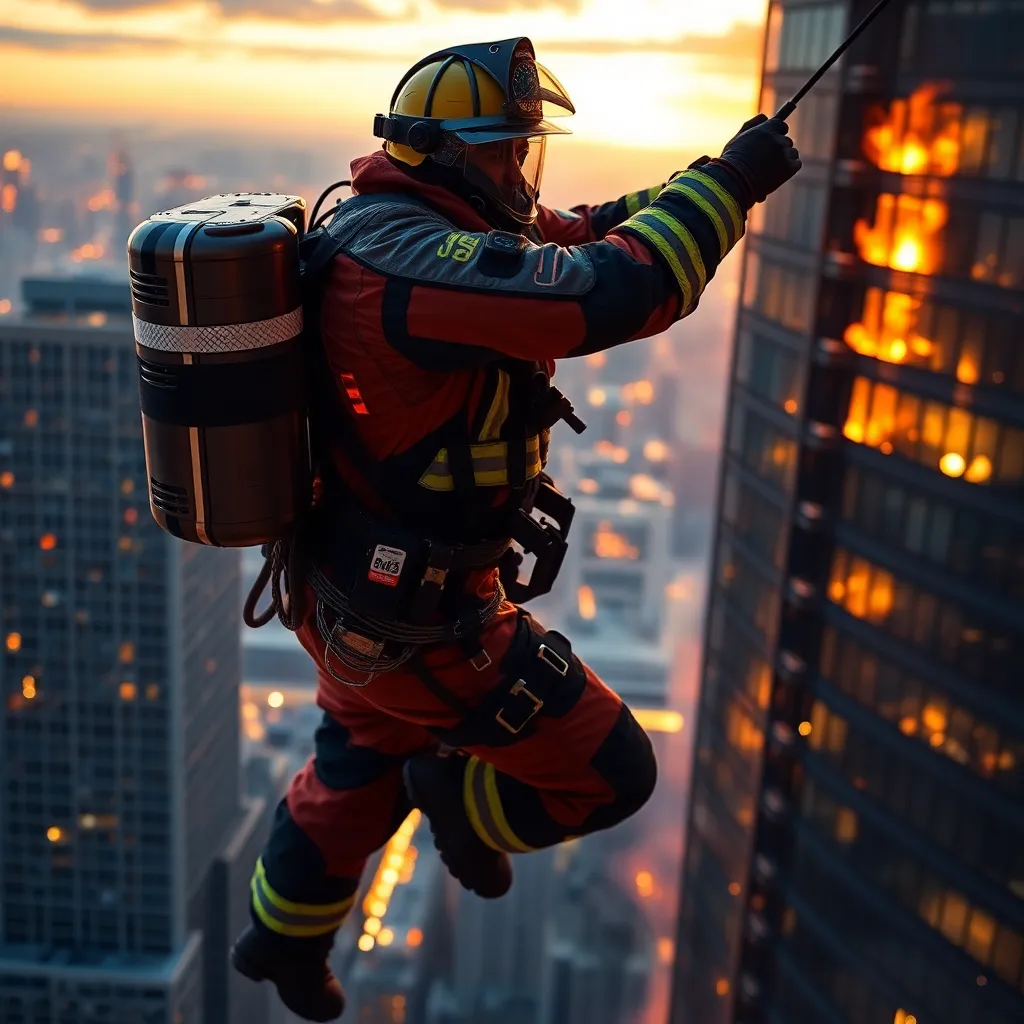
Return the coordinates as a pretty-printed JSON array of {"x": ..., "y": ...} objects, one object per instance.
[{"x": 503, "y": 161}]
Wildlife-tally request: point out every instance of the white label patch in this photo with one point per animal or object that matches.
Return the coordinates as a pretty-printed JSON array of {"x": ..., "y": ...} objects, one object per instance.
[{"x": 386, "y": 565}]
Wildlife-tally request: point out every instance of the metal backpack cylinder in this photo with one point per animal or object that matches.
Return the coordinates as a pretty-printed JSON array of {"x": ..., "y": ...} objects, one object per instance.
[{"x": 217, "y": 312}]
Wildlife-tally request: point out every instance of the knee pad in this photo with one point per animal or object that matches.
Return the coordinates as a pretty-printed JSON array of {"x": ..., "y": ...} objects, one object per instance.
[{"x": 626, "y": 761}]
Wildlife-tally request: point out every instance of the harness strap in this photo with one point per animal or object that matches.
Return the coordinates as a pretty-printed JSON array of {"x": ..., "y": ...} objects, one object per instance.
[{"x": 504, "y": 715}]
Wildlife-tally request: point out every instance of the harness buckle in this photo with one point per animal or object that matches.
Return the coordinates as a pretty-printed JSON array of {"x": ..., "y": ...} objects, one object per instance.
[
  {"x": 536, "y": 705},
  {"x": 554, "y": 661}
]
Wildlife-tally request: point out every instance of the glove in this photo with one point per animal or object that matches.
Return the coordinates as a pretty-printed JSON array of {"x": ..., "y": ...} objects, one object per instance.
[{"x": 763, "y": 155}]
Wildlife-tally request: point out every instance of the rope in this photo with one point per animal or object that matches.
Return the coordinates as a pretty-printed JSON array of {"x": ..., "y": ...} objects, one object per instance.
[
  {"x": 282, "y": 559},
  {"x": 409, "y": 638}
]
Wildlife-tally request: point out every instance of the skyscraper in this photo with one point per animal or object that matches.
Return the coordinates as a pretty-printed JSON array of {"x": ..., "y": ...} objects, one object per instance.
[
  {"x": 856, "y": 839},
  {"x": 126, "y": 846}
]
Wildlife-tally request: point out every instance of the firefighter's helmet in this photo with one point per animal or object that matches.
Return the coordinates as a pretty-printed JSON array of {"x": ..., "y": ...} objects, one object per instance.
[{"x": 483, "y": 111}]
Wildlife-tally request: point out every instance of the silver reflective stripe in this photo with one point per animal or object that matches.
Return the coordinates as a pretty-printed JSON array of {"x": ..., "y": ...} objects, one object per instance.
[
  {"x": 222, "y": 338},
  {"x": 179, "y": 268}
]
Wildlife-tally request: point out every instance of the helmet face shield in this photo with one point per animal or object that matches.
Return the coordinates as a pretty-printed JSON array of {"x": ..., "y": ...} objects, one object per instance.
[{"x": 509, "y": 171}]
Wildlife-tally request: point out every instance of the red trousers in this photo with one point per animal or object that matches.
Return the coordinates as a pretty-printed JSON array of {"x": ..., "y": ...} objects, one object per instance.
[{"x": 581, "y": 765}]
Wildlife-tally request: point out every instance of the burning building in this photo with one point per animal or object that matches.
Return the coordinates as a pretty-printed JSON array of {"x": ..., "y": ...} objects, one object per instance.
[{"x": 855, "y": 839}]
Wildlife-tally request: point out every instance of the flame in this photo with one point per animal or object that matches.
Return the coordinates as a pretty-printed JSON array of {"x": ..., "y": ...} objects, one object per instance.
[
  {"x": 886, "y": 329},
  {"x": 51, "y": 235},
  {"x": 609, "y": 544},
  {"x": 8, "y": 198},
  {"x": 904, "y": 235},
  {"x": 586, "y": 603},
  {"x": 916, "y": 135},
  {"x": 12, "y": 160}
]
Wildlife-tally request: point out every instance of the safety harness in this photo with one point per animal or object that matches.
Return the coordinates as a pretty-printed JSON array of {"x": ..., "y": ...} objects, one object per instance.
[{"x": 383, "y": 590}]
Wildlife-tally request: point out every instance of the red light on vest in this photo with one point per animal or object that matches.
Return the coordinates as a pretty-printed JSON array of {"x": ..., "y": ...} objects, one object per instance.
[{"x": 354, "y": 395}]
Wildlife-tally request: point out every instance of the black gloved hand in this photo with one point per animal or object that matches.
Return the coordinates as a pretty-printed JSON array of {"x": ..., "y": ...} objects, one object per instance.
[{"x": 763, "y": 155}]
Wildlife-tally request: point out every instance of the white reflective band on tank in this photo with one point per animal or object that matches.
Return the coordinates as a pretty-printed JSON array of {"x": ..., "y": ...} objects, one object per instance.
[{"x": 222, "y": 338}]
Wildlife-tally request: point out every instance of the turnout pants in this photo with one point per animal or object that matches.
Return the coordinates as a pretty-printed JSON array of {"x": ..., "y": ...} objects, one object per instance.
[{"x": 553, "y": 754}]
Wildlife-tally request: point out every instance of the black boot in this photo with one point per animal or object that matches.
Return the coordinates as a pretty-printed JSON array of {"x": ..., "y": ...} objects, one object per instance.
[
  {"x": 434, "y": 785},
  {"x": 298, "y": 968}
]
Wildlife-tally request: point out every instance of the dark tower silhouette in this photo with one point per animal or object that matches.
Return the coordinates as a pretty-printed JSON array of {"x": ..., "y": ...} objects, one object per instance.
[
  {"x": 856, "y": 836},
  {"x": 125, "y": 213}
]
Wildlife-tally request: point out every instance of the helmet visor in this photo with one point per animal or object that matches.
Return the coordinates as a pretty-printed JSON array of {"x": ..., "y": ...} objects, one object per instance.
[{"x": 509, "y": 171}]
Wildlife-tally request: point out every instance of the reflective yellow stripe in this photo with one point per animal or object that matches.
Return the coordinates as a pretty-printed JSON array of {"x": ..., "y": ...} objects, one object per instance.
[
  {"x": 470, "y": 803},
  {"x": 636, "y": 201},
  {"x": 260, "y": 893},
  {"x": 498, "y": 412},
  {"x": 490, "y": 465},
  {"x": 490, "y": 450},
  {"x": 315, "y": 909},
  {"x": 512, "y": 841},
  {"x": 709, "y": 211},
  {"x": 726, "y": 200},
  {"x": 667, "y": 251},
  {"x": 433, "y": 482},
  {"x": 689, "y": 243}
]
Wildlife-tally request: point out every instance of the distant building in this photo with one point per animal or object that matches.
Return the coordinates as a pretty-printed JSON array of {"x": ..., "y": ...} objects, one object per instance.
[
  {"x": 856, "y": 837},
  {"x": 619, "y": 560},
  {"x": 597, "y": 955},
  {"x": 125, "y": 208},
  {"x": 126, "y": 845}
]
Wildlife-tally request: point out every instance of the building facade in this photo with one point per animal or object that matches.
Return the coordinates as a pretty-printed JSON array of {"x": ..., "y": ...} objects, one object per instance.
[
  {"x": 120, "y": 810},
  {"x": 856, "y": 841}
]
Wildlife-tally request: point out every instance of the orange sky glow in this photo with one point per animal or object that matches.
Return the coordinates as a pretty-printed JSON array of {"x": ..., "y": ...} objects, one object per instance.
[{"x": 656, "y": 75}]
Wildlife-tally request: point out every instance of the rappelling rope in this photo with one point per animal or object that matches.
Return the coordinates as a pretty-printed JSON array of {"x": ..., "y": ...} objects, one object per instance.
[{"x": 281, "y": 558}]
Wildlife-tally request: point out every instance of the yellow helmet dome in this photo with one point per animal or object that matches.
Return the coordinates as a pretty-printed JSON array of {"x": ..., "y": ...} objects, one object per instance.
[{"x": 444, "y": 90}]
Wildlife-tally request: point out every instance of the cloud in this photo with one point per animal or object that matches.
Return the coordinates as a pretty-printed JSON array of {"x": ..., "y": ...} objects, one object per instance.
[
  {"x": 737, "y": 50},
  {"x": 111, "y": 42},
  {"x": 287, "y": 10},
  {"x": 500, "y": 6},
  {"x": 742, "y": 42},
  {"x": 100, "y": 42}
]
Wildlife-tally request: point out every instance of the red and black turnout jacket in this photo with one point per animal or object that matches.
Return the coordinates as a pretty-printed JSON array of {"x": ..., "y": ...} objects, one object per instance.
[{"x": 441, "y": 333}]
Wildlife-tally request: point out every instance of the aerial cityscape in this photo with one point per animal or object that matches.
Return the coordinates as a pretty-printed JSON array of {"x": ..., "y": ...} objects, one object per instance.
[{"x": 795, "y": 555}]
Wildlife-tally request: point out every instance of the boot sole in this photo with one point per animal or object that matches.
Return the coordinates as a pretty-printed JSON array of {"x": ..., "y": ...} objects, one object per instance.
[
  {"x": 245, "y": 967},
  {"x": 418, "y": 801},
  {"x": 249, "y": 970}
]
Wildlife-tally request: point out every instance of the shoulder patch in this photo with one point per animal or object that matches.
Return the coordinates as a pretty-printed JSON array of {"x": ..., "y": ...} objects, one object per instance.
[{"x": 422, "y": 246}]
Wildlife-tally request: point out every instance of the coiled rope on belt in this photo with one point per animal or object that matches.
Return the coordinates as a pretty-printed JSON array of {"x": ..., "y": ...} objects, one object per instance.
[
  {"x": 282, "y": 560},
  {"x": 409, "y": 637}
]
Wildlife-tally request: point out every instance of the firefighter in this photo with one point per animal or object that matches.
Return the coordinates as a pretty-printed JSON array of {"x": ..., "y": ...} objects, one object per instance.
[{"x": 452, "y": 295}]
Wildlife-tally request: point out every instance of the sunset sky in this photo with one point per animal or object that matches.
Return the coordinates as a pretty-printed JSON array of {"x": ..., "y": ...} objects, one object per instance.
[{"x": 651, "y": 74}]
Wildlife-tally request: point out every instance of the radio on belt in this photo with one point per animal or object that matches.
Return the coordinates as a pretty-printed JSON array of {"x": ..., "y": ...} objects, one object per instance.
[{"x": 222, "y": 375}]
